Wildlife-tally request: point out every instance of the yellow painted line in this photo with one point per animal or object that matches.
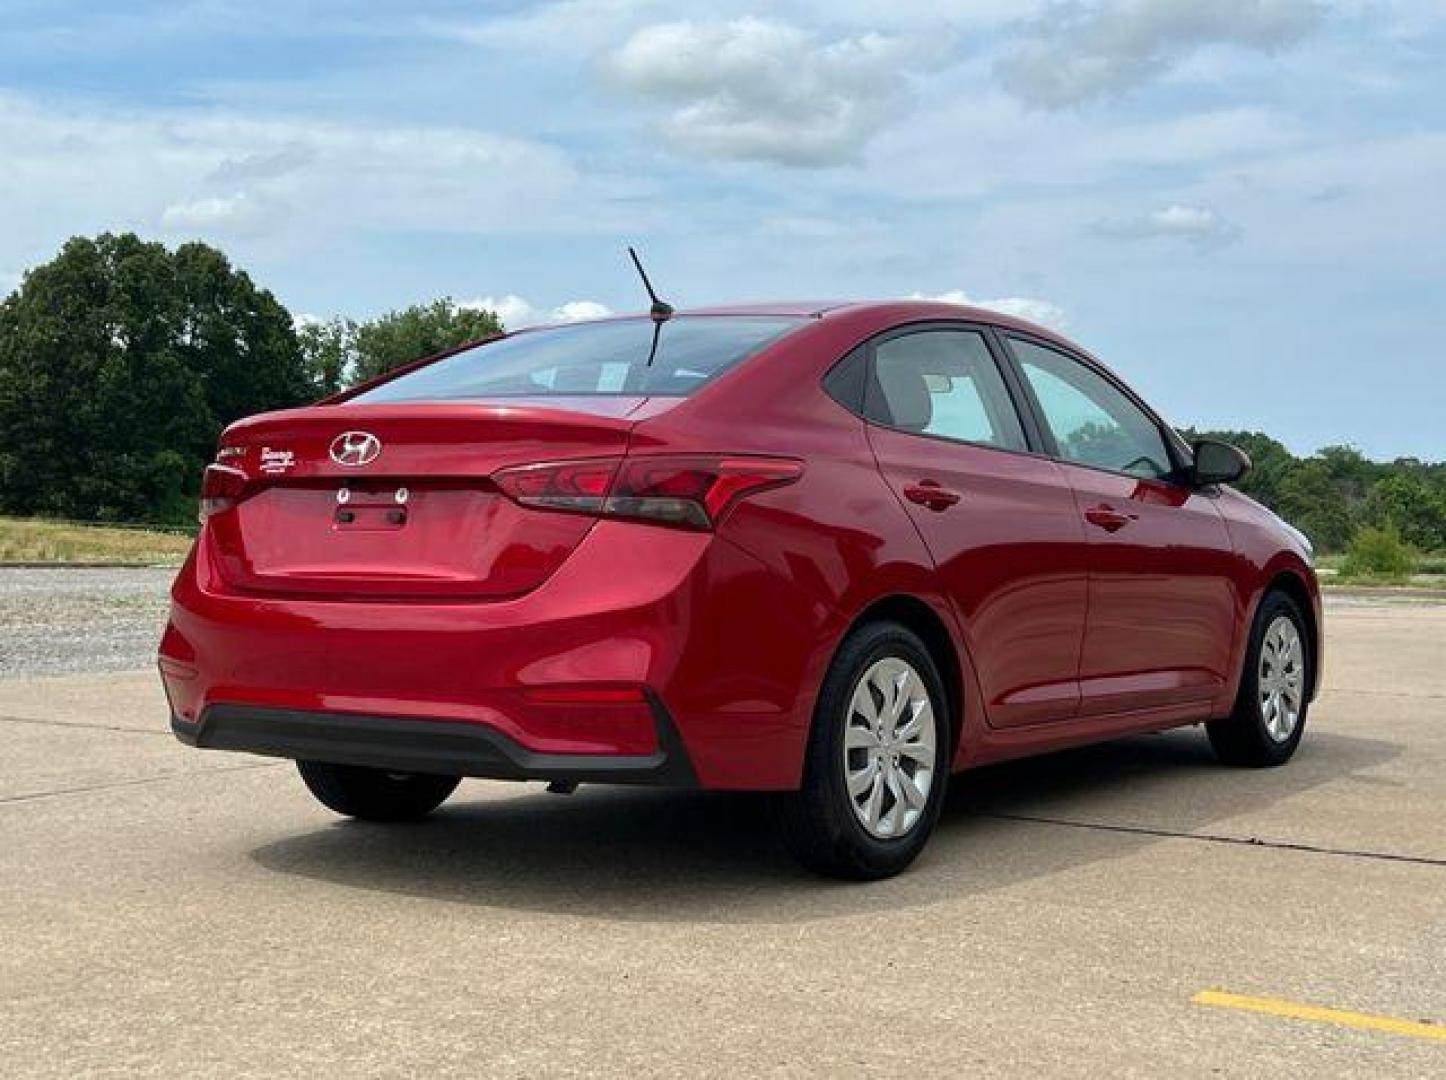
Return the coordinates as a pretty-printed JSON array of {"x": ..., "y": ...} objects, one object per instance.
[{"x": 1415, "y": 1029}]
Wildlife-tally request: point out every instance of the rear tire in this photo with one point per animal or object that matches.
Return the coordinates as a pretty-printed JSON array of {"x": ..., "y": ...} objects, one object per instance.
[
  {"x": 373, "y": 794},
  {"x": 877, "y": 762},
  {"x": 1270, "y": 710}
]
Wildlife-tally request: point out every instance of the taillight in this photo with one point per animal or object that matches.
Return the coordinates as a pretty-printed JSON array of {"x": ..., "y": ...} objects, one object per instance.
[
  {"x": 565, "y": 485},
  {"x": 692, "y": 490},
  {"x": 221, "y": 487}
]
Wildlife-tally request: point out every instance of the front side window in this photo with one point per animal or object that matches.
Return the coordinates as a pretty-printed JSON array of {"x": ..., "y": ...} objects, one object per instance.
[
  {"x": 1094, "y": 423},
  {"x": 608, "y": 357},
  {"x": 945, "y": 383}
]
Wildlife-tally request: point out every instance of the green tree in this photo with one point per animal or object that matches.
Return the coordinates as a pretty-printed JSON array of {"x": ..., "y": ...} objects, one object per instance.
[
  {"x": 120, "y": 362},
  {"x": 1406, "y": 502},
  {"x": 1379, "y": 551},
  {"x": 400, "y": 337},
  {"x": 1311, "y": 501},
  {"x": 328, "y": 350},
  {"x": 1345, "y": 462},
  {"x": 1352, "y": 472}
]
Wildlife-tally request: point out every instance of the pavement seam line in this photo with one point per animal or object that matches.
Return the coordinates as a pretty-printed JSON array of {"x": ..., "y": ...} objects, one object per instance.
[
  {"x": 1385, "y": 693},
  {"x": 4, "y": 719},
  {"x": 1221, "y": 838},
  {"x": 1416, "y": 1029},
  {"x": 32, "y": 796}
]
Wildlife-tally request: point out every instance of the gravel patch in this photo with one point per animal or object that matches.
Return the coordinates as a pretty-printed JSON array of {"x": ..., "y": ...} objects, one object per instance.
[{"x": 68, "y": 621}]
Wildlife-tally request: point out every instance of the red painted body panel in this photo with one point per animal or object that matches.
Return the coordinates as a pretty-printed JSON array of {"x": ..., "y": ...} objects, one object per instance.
[
  {"x": 660, "y": 610},
  {"x": 1060, "y": 632},
  {"x": 459, "y": 538},
  {"x": 1011, "y": 554},
  {"x": 1162, "y": 603}
]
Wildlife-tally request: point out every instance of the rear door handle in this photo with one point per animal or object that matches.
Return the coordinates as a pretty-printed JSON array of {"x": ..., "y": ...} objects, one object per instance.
[
  {"x": 928, "y": 493},
  {"x": 1108, "y": 518}
]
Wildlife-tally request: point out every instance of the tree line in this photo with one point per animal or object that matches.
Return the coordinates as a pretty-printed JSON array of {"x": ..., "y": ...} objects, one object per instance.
[
  {"x": 1337, "y": 492},
  {"x": 121, "y": 361}
]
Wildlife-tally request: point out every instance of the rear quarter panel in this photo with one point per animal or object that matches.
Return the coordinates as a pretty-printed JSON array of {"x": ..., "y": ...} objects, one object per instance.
[{"x": 838, "y": 540}]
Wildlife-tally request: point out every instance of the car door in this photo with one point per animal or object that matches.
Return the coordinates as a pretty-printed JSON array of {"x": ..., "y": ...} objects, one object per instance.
[
  {"x": 1161, "y": 605},
  {"x": 999, "y": 521}
]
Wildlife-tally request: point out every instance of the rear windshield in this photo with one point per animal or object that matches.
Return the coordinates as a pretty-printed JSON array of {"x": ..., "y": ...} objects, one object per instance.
[{"x": 608, "y": 357}]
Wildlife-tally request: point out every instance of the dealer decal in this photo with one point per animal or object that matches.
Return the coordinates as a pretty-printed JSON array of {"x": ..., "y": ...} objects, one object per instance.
[{"x": 274, "y": 462}]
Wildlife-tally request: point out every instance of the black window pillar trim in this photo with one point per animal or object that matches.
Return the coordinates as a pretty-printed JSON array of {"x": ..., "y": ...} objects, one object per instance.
[{"x": 1036, "y": 431}]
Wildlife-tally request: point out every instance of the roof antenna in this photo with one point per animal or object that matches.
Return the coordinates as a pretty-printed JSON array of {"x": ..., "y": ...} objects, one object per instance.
[{"x": 660, "y": 312}]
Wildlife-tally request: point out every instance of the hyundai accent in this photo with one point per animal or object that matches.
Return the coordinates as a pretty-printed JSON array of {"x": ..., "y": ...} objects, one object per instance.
[{"x": 837, "y": 552}]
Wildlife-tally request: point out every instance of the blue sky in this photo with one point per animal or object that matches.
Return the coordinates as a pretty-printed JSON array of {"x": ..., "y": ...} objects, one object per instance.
[{"x": 1237, "y": 204}]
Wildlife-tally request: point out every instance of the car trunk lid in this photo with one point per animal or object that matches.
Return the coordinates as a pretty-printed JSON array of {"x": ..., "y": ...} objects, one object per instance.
[{"x": 396, "y": 501}]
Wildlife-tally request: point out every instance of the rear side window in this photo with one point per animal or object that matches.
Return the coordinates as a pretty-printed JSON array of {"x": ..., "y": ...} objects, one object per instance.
[
  {"x": 1093, "y": 421},
  {"x": 608, "y": 357},
  {"x": 945, "y": 383}
]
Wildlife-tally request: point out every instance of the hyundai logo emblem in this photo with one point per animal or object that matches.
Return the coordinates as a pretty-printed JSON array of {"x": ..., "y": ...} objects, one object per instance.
[{"x": 355, "y": 448}]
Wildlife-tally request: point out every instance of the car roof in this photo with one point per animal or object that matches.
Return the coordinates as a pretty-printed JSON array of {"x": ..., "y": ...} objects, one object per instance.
[{"x": 885, "y": 311}]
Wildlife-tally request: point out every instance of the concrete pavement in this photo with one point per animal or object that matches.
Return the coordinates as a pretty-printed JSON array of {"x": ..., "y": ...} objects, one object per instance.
[{"x": 166, "y": 911}]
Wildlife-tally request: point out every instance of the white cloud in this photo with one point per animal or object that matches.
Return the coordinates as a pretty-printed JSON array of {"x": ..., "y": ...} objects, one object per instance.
[
  {"x": 1081, "y": 52},
  {"x": 1028, "y": 308},
  {"x": 561, "y": 26},
  {"x": 1401, "y": 20},
  {"x": 935, "y": 13},
  {"x": 1374, "y": 205},
  {"x": 128, "y": 169},
  {"x": 1185, "y": 220},
  {"x": 511, "y": 309},
  {"x": 214, "y": 214},
  {"x": 587, "y": 27},
  {"x": 1003, "y": 137},
  {"x": 764, "y": 90},
  {"x": 264, "y": 164},
  {"x": 1198, "y": 225},
  {"x": 516, "y": 312},
  {"x": 577, "y": 310}
]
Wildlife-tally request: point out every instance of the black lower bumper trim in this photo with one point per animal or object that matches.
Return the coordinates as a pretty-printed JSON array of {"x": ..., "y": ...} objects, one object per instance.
[{"x": 439, "y": 747}]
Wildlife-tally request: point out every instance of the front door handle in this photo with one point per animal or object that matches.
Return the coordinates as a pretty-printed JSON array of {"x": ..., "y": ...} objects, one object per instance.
[
  {"x": 928, "y": 493},
  {"x": 1108, "y": 518}
]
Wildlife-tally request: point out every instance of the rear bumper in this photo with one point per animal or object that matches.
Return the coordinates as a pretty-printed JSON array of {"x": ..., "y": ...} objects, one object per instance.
[
  {"x": 565, "y": 682},
  {"x": 438, "y": 747}
]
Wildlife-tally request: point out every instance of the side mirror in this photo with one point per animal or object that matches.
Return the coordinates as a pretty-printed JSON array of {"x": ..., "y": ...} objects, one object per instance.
[{"x": 1218, "y": 463}]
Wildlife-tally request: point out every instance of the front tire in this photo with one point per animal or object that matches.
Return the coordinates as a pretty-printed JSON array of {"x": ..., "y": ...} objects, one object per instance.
[
  {"x": 1270, "y": 710},
  {"x": 878, "y": 759},
  {"x": 373, "y": 794}
]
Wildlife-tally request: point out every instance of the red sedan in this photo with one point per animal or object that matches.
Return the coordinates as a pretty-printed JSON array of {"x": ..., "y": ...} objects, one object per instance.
[{"x": 839, "y": 552}]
